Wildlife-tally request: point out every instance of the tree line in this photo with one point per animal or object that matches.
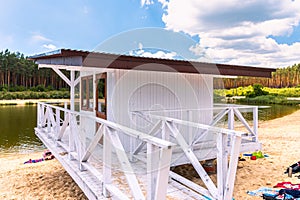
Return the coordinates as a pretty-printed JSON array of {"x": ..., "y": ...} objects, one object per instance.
[
  {"x": 17, "y": 73},
  {"x": 282, "y": 77}
]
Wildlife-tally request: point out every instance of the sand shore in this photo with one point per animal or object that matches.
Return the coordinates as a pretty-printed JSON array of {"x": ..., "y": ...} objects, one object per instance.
[
  {"x": 48, "y": 180},
  {"x": 31, "y": 101}
]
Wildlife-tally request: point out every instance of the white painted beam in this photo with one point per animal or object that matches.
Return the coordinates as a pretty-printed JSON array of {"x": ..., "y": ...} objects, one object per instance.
[
  {"x": 193, "y": 159},
  {"x": 231, "y": 174},
  {"x": 125, "y": 164},
  {"x": 190, "y": 184},
  {"x": 164, "y": 161},
  {"x": 93, "y": 144},
  {"x": 107, "y": 160},
  {"x": 61, "y": 75}
]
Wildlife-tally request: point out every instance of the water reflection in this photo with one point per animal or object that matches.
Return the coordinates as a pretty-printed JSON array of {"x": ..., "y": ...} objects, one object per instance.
[{"x": 17, "y": 129}]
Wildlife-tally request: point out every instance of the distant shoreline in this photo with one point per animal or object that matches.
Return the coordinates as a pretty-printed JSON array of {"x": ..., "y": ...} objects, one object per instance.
[{"x": 22, "y": 102}]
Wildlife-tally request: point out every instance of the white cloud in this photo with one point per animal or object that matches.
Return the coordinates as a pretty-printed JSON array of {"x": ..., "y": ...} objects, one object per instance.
[
  {"x": 146, "y": 2},
  {"x": 140, "y": 46},
  {"x": 158, "y": 54},
  {"x": 49, "y": 46},
  {"x": 152, "y": 53},
  {"x": 37, "y": 38},
  {"x": 235, "y": 31},
  {"x": 163, "y": 2}
]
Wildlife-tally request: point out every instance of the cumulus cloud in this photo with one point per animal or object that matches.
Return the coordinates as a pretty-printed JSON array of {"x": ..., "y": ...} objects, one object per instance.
[
  {"x": 49, "y": 46},
  {"x": 152, "y": 53},
  {"x": 238, "y": 32}
]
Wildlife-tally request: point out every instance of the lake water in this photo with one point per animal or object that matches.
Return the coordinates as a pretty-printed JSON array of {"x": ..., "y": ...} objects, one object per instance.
[
  {"x": 16, "y": 129},
  {"x": 17, "y": 126}
]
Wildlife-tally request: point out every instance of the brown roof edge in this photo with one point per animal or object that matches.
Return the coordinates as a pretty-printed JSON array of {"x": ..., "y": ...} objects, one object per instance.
[{"x": 115, "y": 61}]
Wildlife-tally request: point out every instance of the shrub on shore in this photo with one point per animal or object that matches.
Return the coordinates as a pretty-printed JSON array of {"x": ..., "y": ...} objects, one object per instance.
[
  {"x": 243, "y": 91},
  {"x": 34, "y": 95},
  {"x": 257, "y": 94}
]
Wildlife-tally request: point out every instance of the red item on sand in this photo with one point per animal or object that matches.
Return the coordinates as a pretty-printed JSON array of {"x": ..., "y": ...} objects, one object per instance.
[
  {"x": 288, "y": 185},
  {"x": 253, "y": 157}
]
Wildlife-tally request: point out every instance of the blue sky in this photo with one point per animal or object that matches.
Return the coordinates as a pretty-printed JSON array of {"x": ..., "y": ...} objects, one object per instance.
[{"x": 249, "y": 32}]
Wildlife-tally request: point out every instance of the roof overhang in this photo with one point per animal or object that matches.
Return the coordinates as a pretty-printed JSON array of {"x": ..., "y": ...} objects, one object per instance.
[{"x": 92, "y": 60}]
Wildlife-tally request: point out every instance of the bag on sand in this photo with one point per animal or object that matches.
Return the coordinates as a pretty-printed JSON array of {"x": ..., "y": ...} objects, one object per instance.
[
  {"x": 291, "y": 192},
  {"x": 295, "y": 168},
  {"x": 283, "y": 194}
]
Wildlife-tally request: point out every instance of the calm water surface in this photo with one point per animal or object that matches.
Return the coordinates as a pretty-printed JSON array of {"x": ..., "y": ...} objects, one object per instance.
[
  {"x": 17, "y": 126},
  {"x": 16, "y": 129}
]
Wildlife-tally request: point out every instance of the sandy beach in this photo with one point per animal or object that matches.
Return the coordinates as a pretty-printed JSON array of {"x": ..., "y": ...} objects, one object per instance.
[
  {"x": 22, "y": 102},
  {"x": 48, "y": 180}
]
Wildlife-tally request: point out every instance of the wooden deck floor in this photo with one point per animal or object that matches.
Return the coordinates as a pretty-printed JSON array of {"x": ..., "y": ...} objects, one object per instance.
[{"x": 90, "y": 181}]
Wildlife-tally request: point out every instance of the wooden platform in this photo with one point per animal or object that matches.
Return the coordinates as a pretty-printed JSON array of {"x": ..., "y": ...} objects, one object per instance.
[
  {"x": 90, "y": 181},
  {"x": 98, "y": 162}
]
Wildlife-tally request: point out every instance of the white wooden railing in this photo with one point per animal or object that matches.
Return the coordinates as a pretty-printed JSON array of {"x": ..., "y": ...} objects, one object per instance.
[
  {"x": 227, "y": 116},
  {"x": 63, "y": 127},
  {"x": 225, "y": 143}
]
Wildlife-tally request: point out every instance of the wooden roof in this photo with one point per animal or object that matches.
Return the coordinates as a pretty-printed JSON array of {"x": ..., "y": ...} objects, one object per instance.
[{"x": 113, "y": 61}]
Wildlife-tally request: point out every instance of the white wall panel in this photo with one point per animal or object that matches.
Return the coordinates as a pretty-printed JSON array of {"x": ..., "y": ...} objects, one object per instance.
[
  {"x": 129, "y": 91},
  {"x": 136, "y": 91}
]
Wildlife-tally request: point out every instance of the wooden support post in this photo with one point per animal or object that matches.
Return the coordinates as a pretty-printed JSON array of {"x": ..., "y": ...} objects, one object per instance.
[
  {"x": 230, "y": 123},
  {"x": 71, "y": 136},
  {"x": 65, "y": 107},
  {"x": 72, "y": 90},
  {"x": 57, "y": 113},
  {"x": 158, "y": 166},
  {"x": 152, "y": 167},
  {"x": 107, "y": 153},
  {"x": 165, "y": 155},
  {"x": 222, "y": 163},
  {"x": 255, "y": 123},
  {"x": 48, "y": 122},
  {"x": 39, "y": 115},
  {"x": 231, "y": 174},
  {"x": 231, "y": 119},
  {"x": 42, "y": 113}
]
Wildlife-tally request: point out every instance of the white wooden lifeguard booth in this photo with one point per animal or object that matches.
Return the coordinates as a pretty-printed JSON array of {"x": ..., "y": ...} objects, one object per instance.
[{"x": 138, "y": 117}]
